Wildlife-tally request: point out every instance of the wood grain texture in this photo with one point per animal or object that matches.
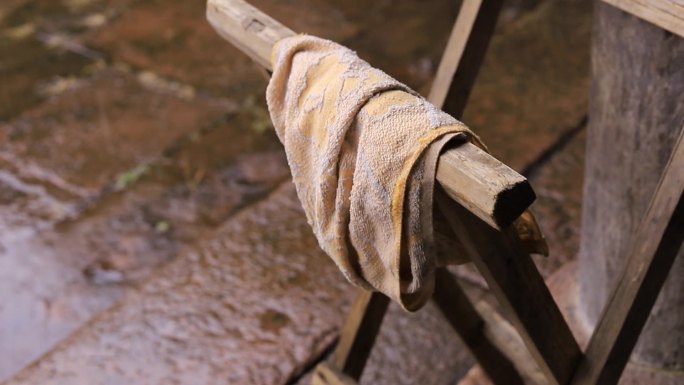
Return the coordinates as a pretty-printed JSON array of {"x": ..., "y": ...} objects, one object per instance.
[
  {"x": 508, "y": 341},
  {"x": 464, "y": 318},
  {"x": 326, "y": 374},
  {"x": 654, "y": 250},
  {"x": 247, "y": 28},
  {"x": 496, "y": 193},
  {"x": 516, "y": 283},
  {"x": 636, "y": 113},
  {"x": 666, "y": 14},
  {"x": 359, "y": 332},
  {"x": 488, "y": 188},
  {"x": 463, "y": 55}
]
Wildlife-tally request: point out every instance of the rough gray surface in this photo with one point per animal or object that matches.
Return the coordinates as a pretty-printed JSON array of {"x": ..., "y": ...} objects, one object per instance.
[
  {"x": 636, "y": 112},
  {"x": 251, "y": 306},
  {"x": 69, "y": 244},
  {"x": 416, "y": 348},
  {"x": 564, "y": 286},
  {"x": 255, "y": 304}
]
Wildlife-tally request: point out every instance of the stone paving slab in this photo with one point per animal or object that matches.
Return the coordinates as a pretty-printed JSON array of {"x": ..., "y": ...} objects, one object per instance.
[
  {"x": 416, "y": 348},
  {"x": 86, "y": 263},
  {"x": 255, "y": 304},
  {"x": 252, "y": 305},
  {"x": 72, "y": 17},
  {"x": 28, "y": 69},
  {"x": 173, "y": 39},
  {"x": 102, "y": 127},
  {"x": 40, "y": 50},
  {"x": 42, "y": 297}
]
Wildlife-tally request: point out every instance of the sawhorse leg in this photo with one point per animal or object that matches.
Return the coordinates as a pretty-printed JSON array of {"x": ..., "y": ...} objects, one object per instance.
[
  {"x": 456, "y": 74},
  {"x": 356, "y": 340}
]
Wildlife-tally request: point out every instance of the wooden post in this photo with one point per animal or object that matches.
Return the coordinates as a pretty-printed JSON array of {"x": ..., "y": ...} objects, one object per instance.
[
  {"x": 636, "y": 112},
  {"x": 653, "y": 251}
]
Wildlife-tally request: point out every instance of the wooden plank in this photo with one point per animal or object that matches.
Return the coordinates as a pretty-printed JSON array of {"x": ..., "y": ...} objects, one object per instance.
[
  {"x": 325, "y": 374},
  {"x": 247, "y": 28},
  {"x": 359, "y": 333},
  {"x": 666, "y": 14},
  {"x": 466, "y": 321},
  {"x": 464, "y": 54},
  {"x": 515, "y": 282},
  {"x": 481, "y": 183},
  {"x": 494, "y": 192},
  {"x": 508, "y": 341},
  {"x": 653, "y": 252}
]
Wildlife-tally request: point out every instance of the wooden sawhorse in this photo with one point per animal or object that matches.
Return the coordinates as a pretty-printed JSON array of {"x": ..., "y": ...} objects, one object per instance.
[{"x": 480, "y": 198}]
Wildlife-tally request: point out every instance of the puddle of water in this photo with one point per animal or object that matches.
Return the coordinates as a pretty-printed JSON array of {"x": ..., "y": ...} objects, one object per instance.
[{"x": 41, "y": 298}]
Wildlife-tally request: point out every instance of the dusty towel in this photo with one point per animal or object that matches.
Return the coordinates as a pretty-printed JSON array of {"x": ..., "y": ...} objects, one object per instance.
[{"x": 363, "y": 149}]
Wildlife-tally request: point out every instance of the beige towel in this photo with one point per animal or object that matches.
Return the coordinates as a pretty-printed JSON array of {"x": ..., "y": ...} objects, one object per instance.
[{"x": 363, "y": 149}]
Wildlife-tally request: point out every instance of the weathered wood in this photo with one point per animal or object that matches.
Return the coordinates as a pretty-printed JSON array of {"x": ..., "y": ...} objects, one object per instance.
[
  {"x": 654, "y": 250},
  {"x": 359, "y": 333},
  {"x": 325, "y": 374},
  {"x": 495, "y": 193},
  {"x": 519, "y": 288},
  {"x": 463, "y": 55},
  {"x": 450, "y": 90},
  {"x": 247, "y": 28},
  {"x": 508, "y": 341},
  {"x": 636, "y": 111},
  {"x": 666, "y": 14},
  {"x": 464, "y": 318},
  {"x": 482, "y": 184}
]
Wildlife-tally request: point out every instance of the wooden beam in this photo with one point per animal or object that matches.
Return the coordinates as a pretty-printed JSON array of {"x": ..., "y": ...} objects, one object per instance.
[
  {"x": 485, "y": 186},
  {"x": 666, "y": 14},
  {"x": 508, "y": 341},
  {"x": 359, "y": 332},
  {"x": 247, "y": 28},
  {"x": 656, "y": 245},
  {"x": 326, "y": 374},
  {"x": 491, "y": 190},
  {"x": 464, "y": 54},
  {"x": 466, "y": 321},
  {"x": 520, "y": 290}
]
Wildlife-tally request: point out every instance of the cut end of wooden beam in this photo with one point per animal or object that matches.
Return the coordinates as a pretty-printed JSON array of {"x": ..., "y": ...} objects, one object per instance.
[
  {"x": 511, "y": 203},
  {"x": 482, "y": 184}
]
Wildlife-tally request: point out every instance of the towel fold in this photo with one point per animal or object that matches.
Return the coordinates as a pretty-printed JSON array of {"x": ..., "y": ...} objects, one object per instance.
[{"x": 363, "y": 149}]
